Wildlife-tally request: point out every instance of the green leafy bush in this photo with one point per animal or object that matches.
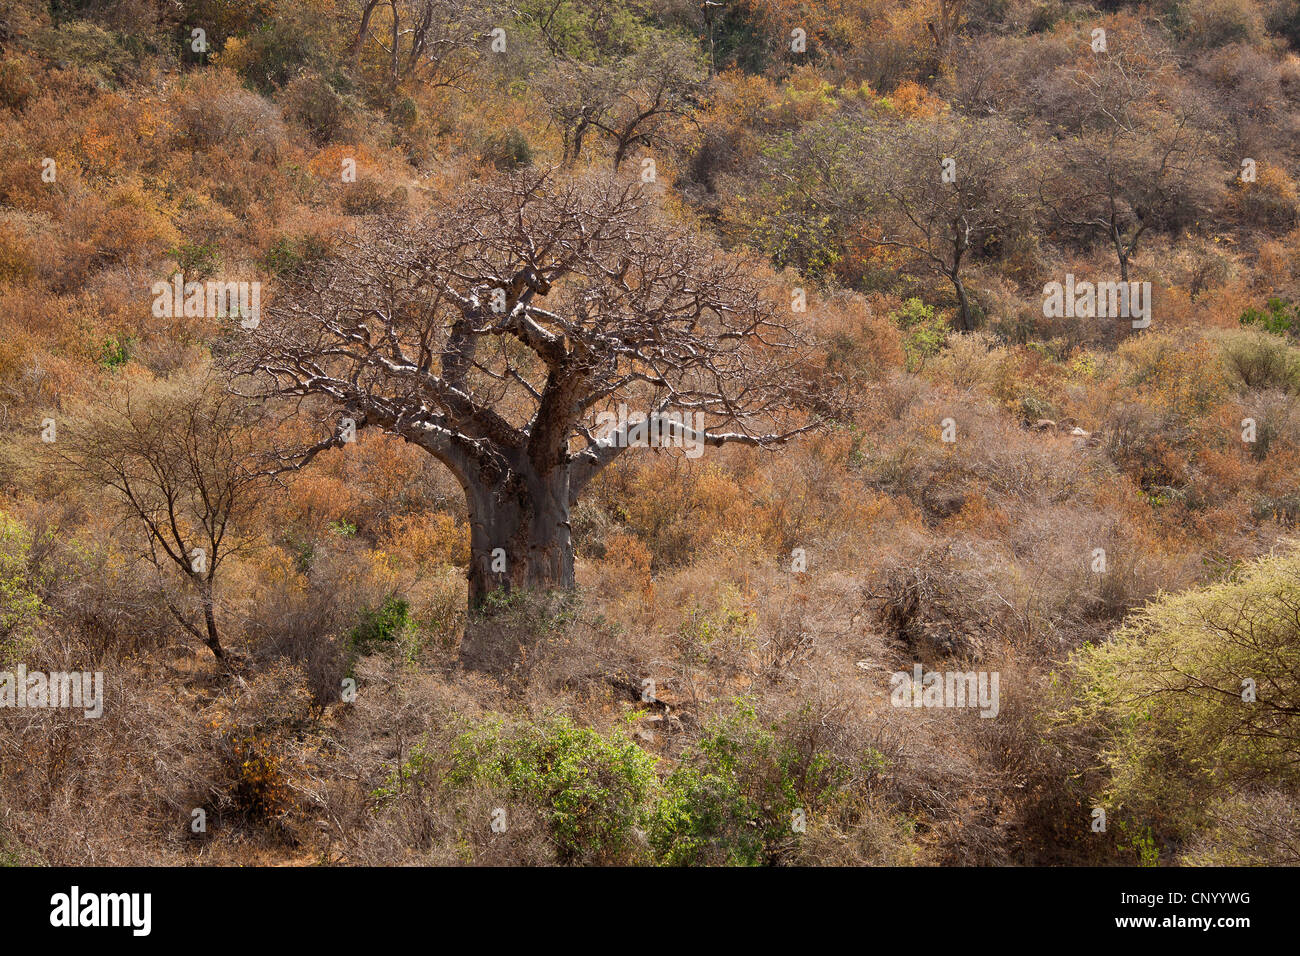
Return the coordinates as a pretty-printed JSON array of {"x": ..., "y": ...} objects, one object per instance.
[
  {"x": 383, "y": 625},
  {"x": 734, "y": 799},
  {"x": 593, "y": 791},
  {"x": 508, "y": 150},
  {"x": 273, "y": 54},
  {"x": 924, "y": 333},
  {"x": 197, "y": 260},
  {"x": 1198, "y": 696},
  {"x": 16, "y": 84},
  {"x": 1260, "y": 360},
  {"x": 312, "y": 101},
  {"x": 288, "y": 253},
  {"x": 1278, "y": 316},
  {"x": 21, "y": 605},
  {"x": 116, "y": 352},
  {"x": 101, "y": 54},
  {"x": 797, "y": 235}
]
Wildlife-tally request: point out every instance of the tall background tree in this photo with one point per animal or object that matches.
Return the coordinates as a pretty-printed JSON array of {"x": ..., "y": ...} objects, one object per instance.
[
  {"x": 608, "y": 73},
  {"x": 432, "y": 42},
  {"x": 942, "y": 192},
  {"x": 1133, "y": 154}
]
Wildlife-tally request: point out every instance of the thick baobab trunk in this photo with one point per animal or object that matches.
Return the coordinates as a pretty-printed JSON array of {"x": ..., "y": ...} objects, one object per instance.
[
  {"x": 520, "y": 536},
  {"x": 519, "y": 539}
]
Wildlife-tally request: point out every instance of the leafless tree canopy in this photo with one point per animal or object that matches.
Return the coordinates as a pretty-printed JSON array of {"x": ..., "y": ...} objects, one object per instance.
[
  {"x": 890, "y": 176},
  {"x": 1133, "y": 154},
  {"x": 491, "y": 334}
]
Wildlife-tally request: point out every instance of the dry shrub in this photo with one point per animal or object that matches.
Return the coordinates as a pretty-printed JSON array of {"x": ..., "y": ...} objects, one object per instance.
[
  {"x": 16, "y": 84},
  {"x": 249, "y": 783},
  {"x": 553, "y": 651},
  {"x": 16, "y": 259},
  {"x": 1258, "y": 360},
  {"x": 138, "y": 759},
  {"x": 424, "y": 541},
  {"x": 1042, "y": 796},
  {"x": 1254, "y": 828},
  {"x": 785, "y": 638},
  {"x": 936, "y": 605},
  {"x": 857, "y": 339},
  {"x": 969, "y": 361},
  {"x": 386, "y": 803},
  {"x": 500, "y": 637},
  {"x": 438, "y": 601},
  {"x": 1214, "y": 23},
  {"x": 305, "y": 619},
  {"x": 95, "y": 594},
  {"x": 112, "y": 602},
  {"x": 673, "y": 504},
  {"x": 122, "y": 227},
  {"x": 313, "y": 103},
  {"x": 213, "y": 109},
  {"x": 1271, "y": 201},
  {"x": 370, "y": 197},
  {"x": 628, "y": 562},
  {"x": 223, "y": 743},
  {"x": 877, "y": 836}
]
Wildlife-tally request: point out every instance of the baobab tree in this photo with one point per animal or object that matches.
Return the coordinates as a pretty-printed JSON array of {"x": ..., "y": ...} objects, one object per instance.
[{"x": 492, "y": 331}]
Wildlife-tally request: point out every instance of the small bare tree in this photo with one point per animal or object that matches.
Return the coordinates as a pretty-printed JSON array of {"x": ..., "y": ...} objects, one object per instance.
[
  {"x": 435, "y": 331},
  {"x": 945, "y": 192},
  {"x": 182, "y": 461},
  {"x": 945, "y": 24}
]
